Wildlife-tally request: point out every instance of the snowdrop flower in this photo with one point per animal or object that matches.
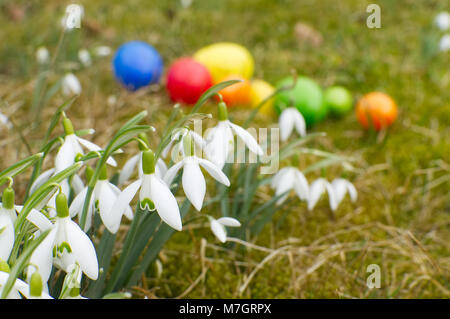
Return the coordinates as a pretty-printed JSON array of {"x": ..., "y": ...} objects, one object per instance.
[
  {"x": 102, "y": 51},
  {"x": 136, "y": 160},
  {"x": 19, "y": 288},
  {"x": 71, "y": 85},
  {"x": 220, "y": 140},
  {"x": 66, "y": 244},
  {"x": 341, "y": 187},
  {"x": 73, "y": 282},
  {"x": 36, "y": 287},
  {"x": 8, "y": 215},
  {"x": 72, "y": 147},
  {"x": 154, "y": 195},
  {"x": 103, "y": 197},
  {"x": 177, "y": 138},
  {"x": 194, "y": 185},
  {"x": 291, "y": 118},
  {"x": 218, "y": 226},
  {"x": 317, "y": 188},
  {"x": 4, "y": 120},
  {"x": 444, "y": 44},
  {"x": 42, "y": 55},
  {"x": 84, "y": 57},
  {"x": 442, "y": 20},
  {"x": 73, "y": 16},
  {"x": 290, "y": 178}
]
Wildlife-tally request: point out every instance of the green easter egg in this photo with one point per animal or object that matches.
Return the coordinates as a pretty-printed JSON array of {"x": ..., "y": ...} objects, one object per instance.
[
  {"x": 338, "y": 99},
  {"x": 306, "y": 96}
]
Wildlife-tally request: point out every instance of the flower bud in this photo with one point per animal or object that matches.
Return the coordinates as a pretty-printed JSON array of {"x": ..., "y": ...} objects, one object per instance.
[
  {"x": 148, "y": 162},
  {"x": 62, "y": 209},
  {"x": 36, "y": 285},
  {"x": 68, "y": 126},
  {"x": 223, "y": 112},
  {"x": 8, "y": 198}
]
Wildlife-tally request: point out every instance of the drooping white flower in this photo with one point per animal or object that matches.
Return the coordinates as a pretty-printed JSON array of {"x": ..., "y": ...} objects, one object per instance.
[
  {"x": 218, "y": 226},
  {"x": 317, "y": 188},
  {"x": 72, "y": 147},
  {"x": 20, "y": 288},
  {"x": 66, "y": 244},
  {"x": 154, "y": 195},
  {"x": 70, "y": 85},
  {"x": 42, "y": 55},
  {"x": 177, "y": 142},
  {"x": 136, "y": 160},
  {"x": 289, "y": 119},
  {"x": 341, "y": 187},
  {"x": 72, "y": 18},
  {"x": 290, "y": 178},
  {"x": 193, "y": 181},
  {"x": 220, "y": 139},
  {"x": 102, "y": 51},
  {"x": 103, "y": 198},
  {"x": 444, "y": 43},
  {"x": 84, "y": 57},
  {"x": 442, "y": 20},
  {"x": 8, "y": 216},
  {"x": 73, "y": 282}
]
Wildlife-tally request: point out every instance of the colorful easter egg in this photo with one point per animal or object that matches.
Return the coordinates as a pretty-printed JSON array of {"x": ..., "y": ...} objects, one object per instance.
[
  {"x": 237, "y": 93},
  {"x": 377, "y": 110},
  {"x": 224, "y": 59},
  {"x": 137, "y": 64},
  {"x": 187, "y": 80},
  {"x": 338, "y": 99},
  {"x": 306, "y": 95}
]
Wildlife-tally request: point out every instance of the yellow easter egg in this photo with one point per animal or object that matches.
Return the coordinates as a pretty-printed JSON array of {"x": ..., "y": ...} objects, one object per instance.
[
  {"x": 224, "y": 59},
  {"x": 259, "y": 91}
]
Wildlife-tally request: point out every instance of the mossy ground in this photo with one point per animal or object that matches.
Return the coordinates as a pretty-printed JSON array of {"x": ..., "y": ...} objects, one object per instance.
[{"x": 401, "y": 218}]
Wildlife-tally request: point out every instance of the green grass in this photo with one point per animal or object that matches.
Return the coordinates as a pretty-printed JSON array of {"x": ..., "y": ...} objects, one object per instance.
[{"x": 401, "y": 218}]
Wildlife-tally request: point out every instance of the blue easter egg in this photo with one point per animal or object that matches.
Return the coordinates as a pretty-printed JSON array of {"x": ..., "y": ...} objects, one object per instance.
[{"x": 137, "y": 64}]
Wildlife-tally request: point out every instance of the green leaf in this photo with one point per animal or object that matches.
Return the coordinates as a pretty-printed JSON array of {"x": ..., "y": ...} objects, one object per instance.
[{"x": 19, "y": 167}]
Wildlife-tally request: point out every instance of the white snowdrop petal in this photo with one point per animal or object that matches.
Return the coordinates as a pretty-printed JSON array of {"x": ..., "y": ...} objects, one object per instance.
[
  {"x": 286, "y": 124},
  {"x": 41, "y": 179},
  {"x": 39, "y": 220},
  {"x": 194, "y": 185},
  {"x": 82, "y": 249},
  {"x": 65, "y": 156},
  {"x": 352, "y": 192},
  {"x": 160, "y": 168},
  {"x": 128, "y": 169},
  {"x": 165, "y": 203},
  {"x": 316, "y": 190},
  {"x": 214, "y": 171},
  {"x": 299, "y": 122},
  {"x": 77, "y": 204},
  {"x": 94, "y": 147},
  {"x": 248, "y": 139},
  {"x": 77, "y": 184},
  {"x": 278, "y": 177},
  {"x": 229, "y": 221},
  {"x": 122, "y": 202},
  {"x": 6, "y": 236},
  {"x": 218, "y": 230},
  {"x": 301, "y": 185},
  {"x": 218, "y": 144},
  {"x": 106, "y": 200},
  {"x": 172, "y": 172},
  {"x": 331, "y": 196},
  {"x": 41, "y": 258}
]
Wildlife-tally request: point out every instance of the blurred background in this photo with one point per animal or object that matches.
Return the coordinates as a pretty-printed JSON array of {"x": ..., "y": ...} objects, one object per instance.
[{"x": 402, "y": 176}]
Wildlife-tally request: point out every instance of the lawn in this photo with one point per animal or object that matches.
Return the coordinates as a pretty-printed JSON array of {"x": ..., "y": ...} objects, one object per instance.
[{"x": 401, "y": 218}]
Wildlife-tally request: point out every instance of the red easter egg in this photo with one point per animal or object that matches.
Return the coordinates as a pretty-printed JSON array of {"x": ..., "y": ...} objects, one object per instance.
[{"x": 187, "y": 80}]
